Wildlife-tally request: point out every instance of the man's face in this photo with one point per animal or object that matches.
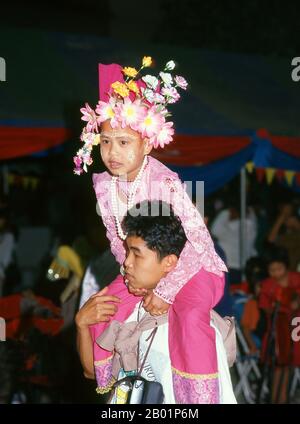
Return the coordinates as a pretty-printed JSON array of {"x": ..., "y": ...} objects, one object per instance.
[{"x": 143, "y": 269}]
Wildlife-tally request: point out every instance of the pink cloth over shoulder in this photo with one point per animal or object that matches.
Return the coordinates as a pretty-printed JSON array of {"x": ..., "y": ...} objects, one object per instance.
[{"x": 160, "y": 183}]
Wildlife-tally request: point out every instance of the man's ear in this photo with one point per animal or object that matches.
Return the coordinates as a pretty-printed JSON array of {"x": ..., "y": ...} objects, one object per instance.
[
  {"x": 170, "y": 263},
  {"x": 147, "y": 146}
]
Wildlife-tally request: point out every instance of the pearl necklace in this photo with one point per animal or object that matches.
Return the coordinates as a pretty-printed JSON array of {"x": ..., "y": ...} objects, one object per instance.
[{"x": 130, "y": 199}]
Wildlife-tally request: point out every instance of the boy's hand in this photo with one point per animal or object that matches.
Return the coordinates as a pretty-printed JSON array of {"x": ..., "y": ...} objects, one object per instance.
[
  {"x": 155, "y": 305},
  {"x": 99, "y": 308}
]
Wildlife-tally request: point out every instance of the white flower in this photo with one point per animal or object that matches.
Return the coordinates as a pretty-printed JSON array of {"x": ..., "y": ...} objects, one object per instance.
[
  {"x": 166, "y": 78},
  {"x": 149, "y": 94},
  {"x": 151, "y": 81},
  {"x": 158, "y": 98},
  {"x": 170, "y": 65}
]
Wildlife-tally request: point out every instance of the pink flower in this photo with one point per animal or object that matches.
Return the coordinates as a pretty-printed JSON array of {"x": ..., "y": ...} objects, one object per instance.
[
  {"x": 78, "y": 171},
  {"x": 130, "y": 113},
  {"x": 165, "y": 135},
  {"x": 181, "y": 82},
  {"x": 77, "y": 161},
  {"x": 107, "y": 111},
  {"x": 171, "y": 94},
  {"x": 151, "y": 124},
  {"x": 90, "y": 117}
]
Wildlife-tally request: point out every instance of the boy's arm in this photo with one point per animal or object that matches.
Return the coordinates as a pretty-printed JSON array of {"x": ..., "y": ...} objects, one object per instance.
[{"x": 199, "y": 249}]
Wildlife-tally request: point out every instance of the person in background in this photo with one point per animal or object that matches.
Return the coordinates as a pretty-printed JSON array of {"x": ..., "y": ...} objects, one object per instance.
[
  {"x": 224, "y": 307},
  {"x": 285, "y": 233},
  {"x": 101, "y": 270},
  {"x": 280, "y": 299},
  {"x": 253, "y": 320},
  {"x": 226, "y": 229}
]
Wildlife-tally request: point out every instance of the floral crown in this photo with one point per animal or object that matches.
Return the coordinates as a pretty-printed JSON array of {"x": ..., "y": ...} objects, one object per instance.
[{"x": 140, "y": 104}]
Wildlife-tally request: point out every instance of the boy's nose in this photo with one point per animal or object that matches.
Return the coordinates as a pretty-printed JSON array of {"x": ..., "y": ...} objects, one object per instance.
[{"x": 114, "y": 149}]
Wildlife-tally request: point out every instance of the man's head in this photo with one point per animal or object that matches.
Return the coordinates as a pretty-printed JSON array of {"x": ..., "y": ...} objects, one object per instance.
[{"x": 155, "y": 240}]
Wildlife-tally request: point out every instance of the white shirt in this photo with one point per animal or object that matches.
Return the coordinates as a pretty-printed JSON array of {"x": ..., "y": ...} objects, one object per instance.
[
  {"x": 158, "y": 364},
  {"x": 228, "y": 234}
]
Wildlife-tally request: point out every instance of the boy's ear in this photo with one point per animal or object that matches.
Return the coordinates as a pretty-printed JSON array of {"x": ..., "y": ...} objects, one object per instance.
[
  {"x": 147, "y": 146},
  {"x": 170, "y": 263}
]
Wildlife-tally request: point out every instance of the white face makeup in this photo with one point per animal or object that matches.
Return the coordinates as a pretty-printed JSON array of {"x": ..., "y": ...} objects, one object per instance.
[
  {"x": 122, "y": 150},
  {"x": 131, "y": 157},
  {"x": 118, "y": 134}
]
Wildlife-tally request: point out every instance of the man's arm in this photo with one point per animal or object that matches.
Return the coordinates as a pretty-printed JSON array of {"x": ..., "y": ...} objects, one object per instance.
[
  {"x": 85, "y": 350},
  {"x": 97, "y": 309}
]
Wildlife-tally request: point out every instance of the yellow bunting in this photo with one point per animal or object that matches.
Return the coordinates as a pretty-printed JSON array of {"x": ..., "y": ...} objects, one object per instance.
[
  {"x": 289, "y": 175},
  {"x": 250, "y": 167},
  {"x": 34, "y": 183},
  {"x": 10, "y": 179},
  {"x": 26, "y": 182},
  {"x": 270, "y": 172}
]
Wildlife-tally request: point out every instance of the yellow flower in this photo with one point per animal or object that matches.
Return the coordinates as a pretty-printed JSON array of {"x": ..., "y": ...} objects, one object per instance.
[
  {"x": 130, "y": 72},
  {"x": 132, "y": 85},
  {"x": 120, "y": 88},
  {"x": 147, "y": 61},
  {"x": 96, "y": 140}
]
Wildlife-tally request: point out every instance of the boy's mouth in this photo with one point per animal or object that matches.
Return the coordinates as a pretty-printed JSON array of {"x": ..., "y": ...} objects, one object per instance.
[{"x": 114, "y": 165}]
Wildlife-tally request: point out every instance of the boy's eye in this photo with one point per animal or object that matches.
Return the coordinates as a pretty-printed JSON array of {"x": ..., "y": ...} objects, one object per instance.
[
  {"x": 123, "y": 142},
  {"x": 104, "y": 141}
]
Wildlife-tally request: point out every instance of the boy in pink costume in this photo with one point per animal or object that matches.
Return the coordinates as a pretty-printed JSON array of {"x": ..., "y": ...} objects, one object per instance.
[{"x": 196, "y": 284}]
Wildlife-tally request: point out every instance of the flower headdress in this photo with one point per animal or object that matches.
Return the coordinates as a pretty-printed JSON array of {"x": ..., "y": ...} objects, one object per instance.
[{"x": 140, "y": 104}]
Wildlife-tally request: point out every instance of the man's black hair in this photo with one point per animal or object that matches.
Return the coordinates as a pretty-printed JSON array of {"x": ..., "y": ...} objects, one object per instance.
[{"x": 156, "y": 223}]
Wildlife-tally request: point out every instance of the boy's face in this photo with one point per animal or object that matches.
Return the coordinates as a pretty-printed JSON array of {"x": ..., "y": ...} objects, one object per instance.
[
  {"x": 143, "y": 269},
  {"x": 122, "y": 150}
]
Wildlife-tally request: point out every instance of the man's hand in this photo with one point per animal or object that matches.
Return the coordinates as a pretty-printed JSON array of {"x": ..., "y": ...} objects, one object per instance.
[
  {"x": 155, "y": 305},
  {"x": 97, "y": 309}
]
